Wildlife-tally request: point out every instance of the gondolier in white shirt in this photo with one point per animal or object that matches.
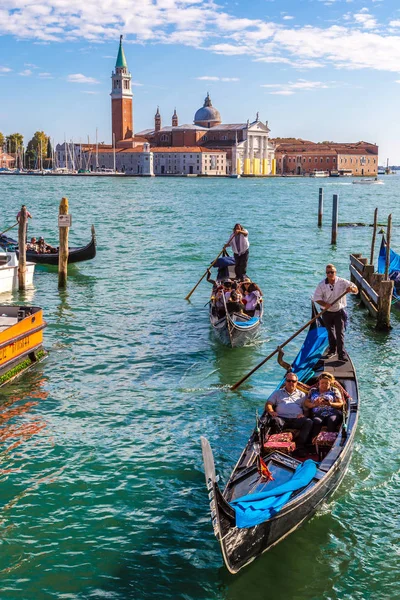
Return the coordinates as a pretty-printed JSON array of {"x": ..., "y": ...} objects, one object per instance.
[
  {"x": 239, "y": 242},
  {"x": 335, "y": 317}
]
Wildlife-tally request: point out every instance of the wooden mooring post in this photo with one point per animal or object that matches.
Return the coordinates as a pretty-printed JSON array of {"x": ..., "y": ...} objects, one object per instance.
[
  {"x": 371, "y": 260},
  {"x": 64, "y": 222},
  {"x": 335, "y": 213},
  {"x": 376, "y": 289},
  {"x": 22, "y": 219},
  {"x": 320, "y": 206},
  {"x": 386, "y": 287}
]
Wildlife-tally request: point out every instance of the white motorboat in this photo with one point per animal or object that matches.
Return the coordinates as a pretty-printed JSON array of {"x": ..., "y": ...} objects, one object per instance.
[
  {"x": 369, "y": 182},
  {"x": 319, "y": 174},
  {"x": 9, "y": 272}
]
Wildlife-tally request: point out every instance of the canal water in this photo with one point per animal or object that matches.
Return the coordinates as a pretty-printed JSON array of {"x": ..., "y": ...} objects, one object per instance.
[{"x": 102, "y": 489}]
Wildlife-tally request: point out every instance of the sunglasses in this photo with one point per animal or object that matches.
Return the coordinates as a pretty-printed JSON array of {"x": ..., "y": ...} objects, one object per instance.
[
  {"x": 330, "y": 272},
  {"x": 291, "y": 380}
]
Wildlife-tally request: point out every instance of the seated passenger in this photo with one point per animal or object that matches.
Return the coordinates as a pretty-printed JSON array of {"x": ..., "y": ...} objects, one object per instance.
[
  {"x": 233, "y": 304},
  {"x": 252, "y": 298},
  {"x": 32, "y": 245},
  {"x": 286, "y": 406},
  {"x": 45, "y": 248},
  {"x": 245, "y": 284},
  {"x": 228, "y": 285},
  {"x": 326, "y": 403}
]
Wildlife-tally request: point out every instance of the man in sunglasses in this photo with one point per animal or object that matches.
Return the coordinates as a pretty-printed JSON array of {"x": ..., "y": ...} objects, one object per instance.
[
  {"x": 286, "y": 406},
  {"x": 335, "y": 317}
]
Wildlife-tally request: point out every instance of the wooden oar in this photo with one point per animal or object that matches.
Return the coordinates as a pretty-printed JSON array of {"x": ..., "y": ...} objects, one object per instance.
[
  {"x": 202, "y": 277},
  {"x": 5, "y": 231},
  {"x": 238, "y": 383}
]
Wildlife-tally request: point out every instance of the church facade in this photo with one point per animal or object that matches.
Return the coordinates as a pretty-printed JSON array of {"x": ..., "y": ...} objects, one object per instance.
[
  {"x": 205, "y": 147},
  {"x": 247, "y": 145}
]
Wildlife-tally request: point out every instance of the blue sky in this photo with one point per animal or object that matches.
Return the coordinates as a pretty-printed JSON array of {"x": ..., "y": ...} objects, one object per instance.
[{"x": 316, "y": 69}]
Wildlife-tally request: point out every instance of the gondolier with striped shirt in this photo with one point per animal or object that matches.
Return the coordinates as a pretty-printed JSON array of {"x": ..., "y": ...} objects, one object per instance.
[
  {"x": 239, "y": 242},
  {"x": 335, "y": 317}
]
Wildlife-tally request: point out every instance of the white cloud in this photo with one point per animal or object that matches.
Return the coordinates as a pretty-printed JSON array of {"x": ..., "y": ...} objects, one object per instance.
[
  {"x": 45, "y": 76},
  {"x": 362, "y": 43},
  {"x": 287, "y": 89},
  {"x": 79, "y": 78},
  {"x": 365, "y": 19},
  {"x": 282, "y": 93},
  {"x": 5, "y": 70},
  {"x": 214, "y": 78},
  {"x": 25, "y": 73},
  {"x": 287, "y": 18},
  {"x": 394, "y": 23},
  {"x": 89, "y": 92},
  {"x": 136, "y": 84}
]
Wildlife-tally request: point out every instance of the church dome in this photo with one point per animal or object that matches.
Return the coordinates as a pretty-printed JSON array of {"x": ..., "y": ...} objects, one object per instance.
[{"x": 207, "y": 115}]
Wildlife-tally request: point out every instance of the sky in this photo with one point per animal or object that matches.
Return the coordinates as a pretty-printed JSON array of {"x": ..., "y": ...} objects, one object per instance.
[{"x": 314, "y": 69}]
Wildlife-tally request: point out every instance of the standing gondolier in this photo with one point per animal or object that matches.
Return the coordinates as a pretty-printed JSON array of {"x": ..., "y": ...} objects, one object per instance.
[
  {"x": 28, "y": 216},
  {"x": 335, "y": 317},
  {"x": 239, "y": 242}
]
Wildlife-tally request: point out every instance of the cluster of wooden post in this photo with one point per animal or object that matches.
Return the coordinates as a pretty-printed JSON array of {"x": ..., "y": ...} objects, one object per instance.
[
  {"x": 335, "y": 214},
  {"x": 62, "y": 252},
  {"x": 376, "y": 289}
]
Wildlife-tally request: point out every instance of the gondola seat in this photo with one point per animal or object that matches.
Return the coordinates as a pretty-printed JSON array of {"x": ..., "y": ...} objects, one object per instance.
[
  {"x": 249, "y": 323},
  {"x": 280, "y": 441}
]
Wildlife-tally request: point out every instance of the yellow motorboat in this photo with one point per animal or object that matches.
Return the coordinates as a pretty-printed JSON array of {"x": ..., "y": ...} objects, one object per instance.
[{"x": 21, "y": 339}]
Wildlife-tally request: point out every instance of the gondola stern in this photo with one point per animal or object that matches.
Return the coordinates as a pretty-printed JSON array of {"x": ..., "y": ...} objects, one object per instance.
[{"x": 218, "y": 504}]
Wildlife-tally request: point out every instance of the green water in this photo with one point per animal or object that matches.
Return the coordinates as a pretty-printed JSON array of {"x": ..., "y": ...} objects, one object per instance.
[{"x": 102, "y": 489}]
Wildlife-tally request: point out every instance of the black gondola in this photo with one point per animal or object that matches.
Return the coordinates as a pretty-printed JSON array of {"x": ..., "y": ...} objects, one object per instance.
[
  {"x": 75, "y": 254},
  {"x": 240, "y": 545},
  {"x": 236, "y": 329}
]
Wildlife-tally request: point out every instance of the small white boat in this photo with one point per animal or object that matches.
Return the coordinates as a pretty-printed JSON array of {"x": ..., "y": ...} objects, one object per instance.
[
  {"x": 369, "y": 182},
  {"x": 9, "y": 272},
  {"x": 319, "y": 174}
]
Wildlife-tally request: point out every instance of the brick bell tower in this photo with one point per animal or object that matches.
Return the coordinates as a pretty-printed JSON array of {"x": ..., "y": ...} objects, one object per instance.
[{"x": 121, "y": 98}]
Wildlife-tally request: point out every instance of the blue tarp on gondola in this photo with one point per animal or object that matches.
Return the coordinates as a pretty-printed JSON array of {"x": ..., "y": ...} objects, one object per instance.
[
  {"x": 256, "y": 508},
  {"x": 394, "y": 265},
  {"x": 310, "y": 352}
]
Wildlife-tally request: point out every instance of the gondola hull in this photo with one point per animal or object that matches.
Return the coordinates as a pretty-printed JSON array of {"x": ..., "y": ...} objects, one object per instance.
[
  {"x": 231, "y": 333},
  {"x": 75, "y": 254},
  {"x": 240, "y": 546}
]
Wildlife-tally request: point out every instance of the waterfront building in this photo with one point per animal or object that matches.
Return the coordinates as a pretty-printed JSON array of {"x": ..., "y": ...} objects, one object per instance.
[
  {"x": 302, "y": 157},
  {"x": 248, "y": 148},
  {"x": 6, "y": 161},
  {"x": 146, "y": 161}
]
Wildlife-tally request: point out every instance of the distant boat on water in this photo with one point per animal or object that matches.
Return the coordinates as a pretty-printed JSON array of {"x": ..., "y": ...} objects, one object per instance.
[
  {"x": 368, "y": 182},
  {"x": 319, "y": 174}
]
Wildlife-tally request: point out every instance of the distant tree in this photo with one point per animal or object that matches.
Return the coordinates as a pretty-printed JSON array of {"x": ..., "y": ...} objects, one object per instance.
[
  {"x": 49, "y": 154},
  {"x": 2, "y": 140},
  {"x": 14, "y": 142},
  {"x": 36, "y": 150}
]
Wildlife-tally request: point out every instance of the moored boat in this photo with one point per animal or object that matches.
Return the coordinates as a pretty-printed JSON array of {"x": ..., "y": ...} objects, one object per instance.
[
  {"x": 270, "y": 494},
  {"x": 51, "y": 258},
  {"x": 9, "y": 272},
  {"x": 21, "y": 339},
  {"x": 317, "y": 173}
]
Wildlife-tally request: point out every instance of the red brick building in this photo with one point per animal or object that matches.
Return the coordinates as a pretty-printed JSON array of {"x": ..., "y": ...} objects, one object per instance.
[{"x": 302, "y": 157}]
